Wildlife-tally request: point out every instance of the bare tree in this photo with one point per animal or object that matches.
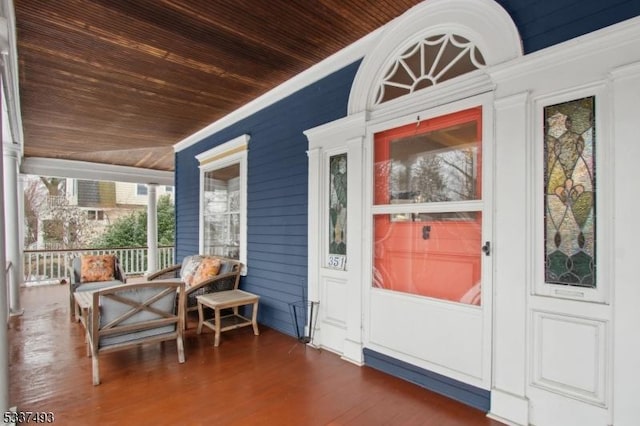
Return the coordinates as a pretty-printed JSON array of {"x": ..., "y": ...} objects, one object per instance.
[
  {"x": 55, "y": 186},
  {"x": 46, "y": 205},
  {"x": 461, "y": 173},
  {"x": 34, "y": 200},
  {"x": 426, "y": 179}
]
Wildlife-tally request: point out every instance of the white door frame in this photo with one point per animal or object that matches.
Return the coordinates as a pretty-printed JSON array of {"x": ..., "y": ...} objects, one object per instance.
[{"x": 483, "y": 314}]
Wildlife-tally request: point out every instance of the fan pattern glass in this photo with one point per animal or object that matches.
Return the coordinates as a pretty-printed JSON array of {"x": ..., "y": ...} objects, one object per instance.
[
  {"x": 570, "y": 192},
  {"x": 430, "y": 61}
]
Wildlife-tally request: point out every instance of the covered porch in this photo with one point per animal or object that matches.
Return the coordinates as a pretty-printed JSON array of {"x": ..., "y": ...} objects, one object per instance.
[
  {"x": 478, "y": 152},
  {"x": 266, "y": 379}
]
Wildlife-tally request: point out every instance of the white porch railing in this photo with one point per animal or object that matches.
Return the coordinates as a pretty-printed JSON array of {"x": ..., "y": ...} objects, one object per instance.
[
  {"x": 6, "y": 289},
  {"x": 53, "y": 265}
]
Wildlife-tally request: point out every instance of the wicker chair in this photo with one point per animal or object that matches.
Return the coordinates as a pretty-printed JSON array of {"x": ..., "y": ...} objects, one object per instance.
[{"x": 228, "y": 278}]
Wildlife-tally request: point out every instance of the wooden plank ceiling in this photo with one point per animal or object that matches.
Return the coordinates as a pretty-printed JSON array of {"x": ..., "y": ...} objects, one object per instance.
[{"x": 121, "y": 81}]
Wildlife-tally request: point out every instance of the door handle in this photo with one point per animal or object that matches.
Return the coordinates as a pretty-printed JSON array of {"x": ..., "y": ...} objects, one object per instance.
[
  {"x": 486, "y": 248},
  {"x": 426, "y": 231}
]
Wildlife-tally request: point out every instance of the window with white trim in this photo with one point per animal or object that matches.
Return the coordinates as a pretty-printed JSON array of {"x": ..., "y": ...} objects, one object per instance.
[
  {"x": 141, "y": 189},
  {"x": 223, "y": 200},
  {"x": 95, "y": 215}
]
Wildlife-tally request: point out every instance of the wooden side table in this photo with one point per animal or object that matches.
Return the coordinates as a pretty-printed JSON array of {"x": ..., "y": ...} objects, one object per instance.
[{"x": 223, "y": 300}]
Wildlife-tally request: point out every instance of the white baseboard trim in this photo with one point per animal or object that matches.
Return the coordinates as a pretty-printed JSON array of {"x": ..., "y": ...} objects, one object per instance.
[
  {"x": 509, "y": 408},
  {"x": 352, "y": 352}
]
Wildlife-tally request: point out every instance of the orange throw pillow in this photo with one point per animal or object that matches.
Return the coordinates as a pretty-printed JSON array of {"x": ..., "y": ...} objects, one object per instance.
[
  {"x": 97, "y": 268},
  {"x": 208, "y": 268}
]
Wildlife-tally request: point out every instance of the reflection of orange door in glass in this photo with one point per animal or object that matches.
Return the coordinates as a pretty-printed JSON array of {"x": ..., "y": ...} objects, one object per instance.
[{"x": 428, "y": 207}]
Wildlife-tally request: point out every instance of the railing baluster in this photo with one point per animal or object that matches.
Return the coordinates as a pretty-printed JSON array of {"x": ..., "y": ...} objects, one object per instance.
[{"x": 55, "y": 264}]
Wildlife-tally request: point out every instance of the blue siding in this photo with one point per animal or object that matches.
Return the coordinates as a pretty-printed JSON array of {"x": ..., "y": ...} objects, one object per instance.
[
  {"x": 467, "y": 394},
  {"x": 544, "y": 23},
  {"x": 276, "y": 195}
]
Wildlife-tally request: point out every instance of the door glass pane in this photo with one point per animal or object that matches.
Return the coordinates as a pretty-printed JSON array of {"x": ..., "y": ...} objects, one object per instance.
[
  {"x": 434, "y": 160},
  {"x": 419, "y": 248},
  {"x": 429, "y": 255}
]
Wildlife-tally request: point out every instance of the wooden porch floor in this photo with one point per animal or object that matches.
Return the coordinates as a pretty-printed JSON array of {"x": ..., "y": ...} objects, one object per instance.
[{"x": 269, "y": 379}]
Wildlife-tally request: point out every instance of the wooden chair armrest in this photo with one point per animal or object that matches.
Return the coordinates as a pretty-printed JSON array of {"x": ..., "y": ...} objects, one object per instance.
[
  {"x": 119, "y": 273},
  {"x": 72, "y": 278},
  {"x": 218, "y": 278},
  {"x": 221, "y": 282},
  {"x": 168, "y": 272}
]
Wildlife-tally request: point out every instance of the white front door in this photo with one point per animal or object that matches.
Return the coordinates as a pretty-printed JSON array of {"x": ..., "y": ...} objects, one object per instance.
[{"x": 428, "y": 302}]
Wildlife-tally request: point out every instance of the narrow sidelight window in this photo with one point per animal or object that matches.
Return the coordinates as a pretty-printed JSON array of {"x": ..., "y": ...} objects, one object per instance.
[{"x": 570, "y": 193}]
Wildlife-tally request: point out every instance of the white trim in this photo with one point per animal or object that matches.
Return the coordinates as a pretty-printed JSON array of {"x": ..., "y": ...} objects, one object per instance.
[
  {"x": 482, "y": 313},
  {"x": 345, "y": 128},
  {"x": 313, "y": 225},
  {"x": 220, "y": 150},
  {"x": 93, "y": 171},
  {"x": 333, "y": 63},
  {"x": 625, "y": 92},
  {"x": 339, "y": 330},
  {"x": 614, "y": 37},
  {"x": 603, "y": 191},
  {"x": 483, "y": 22},
  {"x": 625, "y": 72},
  {"x": 352, "y": 346},
  {"x": 511, "y": 256},
  {"x": 512, "y": 409},
  {"x": 11, "y": 162}
]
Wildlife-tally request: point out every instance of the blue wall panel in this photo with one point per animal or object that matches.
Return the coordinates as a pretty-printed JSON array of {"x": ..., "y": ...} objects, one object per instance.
[
  {"x": 467, "y": 394},
  {"x": 277, "y": 192},
  {"x": 544, "y": 23}
]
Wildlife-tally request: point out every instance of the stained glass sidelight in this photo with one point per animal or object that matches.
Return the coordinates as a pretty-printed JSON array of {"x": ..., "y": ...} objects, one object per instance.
[
  {"x": 338, "y": 204},
  {"x": 570, "y": 193}
]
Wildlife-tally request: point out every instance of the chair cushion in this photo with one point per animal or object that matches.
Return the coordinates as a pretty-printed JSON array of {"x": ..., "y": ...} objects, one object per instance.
[
  {"x": 188, "y": 270},
  {"x": 98, "y": 285},
  {"x": 208, "y": 268},
  {"x": 97, "y": 268},
  {"x": 138, "y": 335}
]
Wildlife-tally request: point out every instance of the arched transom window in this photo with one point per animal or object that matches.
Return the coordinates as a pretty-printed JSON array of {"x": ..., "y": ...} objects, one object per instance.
[{"x": 430, "y": 61}]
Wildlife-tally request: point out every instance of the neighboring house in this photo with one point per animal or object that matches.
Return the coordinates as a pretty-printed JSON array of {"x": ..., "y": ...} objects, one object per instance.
[
  {"x": 103, "y": 203},
  {"x": 453, "y": 191}
]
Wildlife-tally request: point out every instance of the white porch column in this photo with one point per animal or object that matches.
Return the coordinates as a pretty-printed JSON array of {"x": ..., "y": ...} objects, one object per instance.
[
  {"x": 152, "y": 228},
  {"x": 11, "y": 156},
  {"x": 4, "y": 314}
]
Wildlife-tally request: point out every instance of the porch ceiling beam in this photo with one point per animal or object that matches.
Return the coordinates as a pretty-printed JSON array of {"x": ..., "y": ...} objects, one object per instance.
[{"x": 93, "y": 171}]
